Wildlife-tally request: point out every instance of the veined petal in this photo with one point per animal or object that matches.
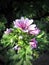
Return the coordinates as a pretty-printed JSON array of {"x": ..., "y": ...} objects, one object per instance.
[
  {"x": 35, "y": 32},
  {"x": 8, "y": 31},
  {"x": 33, "y": 43},
  {"x": 16, "y": 23},
  {"x": 22, "y": 19},
  {"x": 32, "y": 27},
  {"x": 28, "y": 22}
]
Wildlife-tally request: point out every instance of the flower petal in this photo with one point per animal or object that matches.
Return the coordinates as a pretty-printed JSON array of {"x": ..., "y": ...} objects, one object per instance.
[
  {"x": 8, "y": 31},
  {"x": 22, "y": 19},
  {"x": 34, "y": 32},
  {"x": 32, "y": 27},
  {"x": 33, "y": 43},
  {"x": 28, "y": 22}
]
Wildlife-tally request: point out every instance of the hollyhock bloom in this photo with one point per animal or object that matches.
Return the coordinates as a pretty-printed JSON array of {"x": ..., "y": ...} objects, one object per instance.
[
  {"x": 26, "y": 25},
  {"x": 36, "y": 31},
  {"x": 8, "y": 31},
  {"x": 23, "y": 23},
  {"x": 33, "y": 43},
  {"x": 16, "y": 47}
]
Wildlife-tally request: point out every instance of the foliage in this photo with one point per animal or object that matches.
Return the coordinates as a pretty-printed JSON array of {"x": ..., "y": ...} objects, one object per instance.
[{"x": 3, "y": 21}]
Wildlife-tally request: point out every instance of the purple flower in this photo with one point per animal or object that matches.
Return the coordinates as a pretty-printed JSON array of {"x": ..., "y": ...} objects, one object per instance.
[
  {"x": 26, "y": 25},
  {"x": 8, "y": 31},
  {"x": 33, "y": 43},
  {"x": 16, "y": 47},
  {"x": 23, "y": 23},
  {"x": 36, "y": 31}
]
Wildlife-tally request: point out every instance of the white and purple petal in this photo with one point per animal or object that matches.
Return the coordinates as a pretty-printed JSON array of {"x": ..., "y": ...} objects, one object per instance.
[
  {"x": 8, "y": 31},
  {"x": 33, "y": 43},
  {"x": 36, "y": 31}
]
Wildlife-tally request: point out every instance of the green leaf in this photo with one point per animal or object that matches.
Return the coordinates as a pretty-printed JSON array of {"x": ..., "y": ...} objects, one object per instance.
[
  {"x": 19, "y": 62},
  {"x": 27, "y": 62},
  {"x": 39, "y": 36}
]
